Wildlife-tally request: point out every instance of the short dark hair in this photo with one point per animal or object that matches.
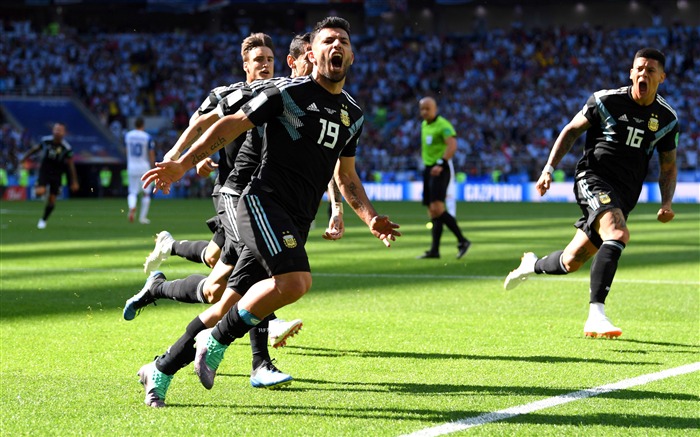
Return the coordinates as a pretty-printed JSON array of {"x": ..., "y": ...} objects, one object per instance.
[
  {"x": 651, "y": 53},
  {"x": 299, "y": 44},
  {"x": 256, "y": 40},
  {"x": 331, "y": 23},
  {"x": 139, "y": 123}
]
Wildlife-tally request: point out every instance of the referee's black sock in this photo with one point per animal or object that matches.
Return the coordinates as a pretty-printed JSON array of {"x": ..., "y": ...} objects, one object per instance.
[
  {"x": 452, "y": 225},
  {"x": 551, "y": 264},
  {"x": 48, "y": 209},
  {"x": 190, "y": 250},
  {"x": 603, "y": 269},
  {"x": 258, "y": 342},
  {"x": 235, "y": 324},
  {"x": 436, "y": 232},
  {"x": 182, "y": 352},
  {"x": 188, "y": 290}
]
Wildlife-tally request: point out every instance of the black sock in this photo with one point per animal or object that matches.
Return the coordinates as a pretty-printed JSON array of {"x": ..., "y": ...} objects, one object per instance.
[
  {"x": 258, "y": 342},
  {"x": 603, "y": 269},
  {"x": 437, "y": 235},
  {"x": 188, "y": 290},
  {"x": 230, "y": 327},
  {"x": 182, "y": 352},
  {"x": 48, "y": 209},
  {"x": 551, "y": 264},
  {"x": 452, "y": 225},
  {"x": 190, "y": 250}
]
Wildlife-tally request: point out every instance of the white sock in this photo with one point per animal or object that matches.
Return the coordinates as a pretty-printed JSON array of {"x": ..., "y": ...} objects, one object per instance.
[
  {"x": 145, "y": 204},
  {"x": 131, "y": 201},
  {"x": 596, "y": 311}
]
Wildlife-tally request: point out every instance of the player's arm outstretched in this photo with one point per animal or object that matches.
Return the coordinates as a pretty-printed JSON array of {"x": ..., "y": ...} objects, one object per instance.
[
  {"x": 566, "y": 139},
  {"x": 667, "y": 184},
  {"x": 29, "y": 153},
  {"x": 222, "y": 132},
  {"x": 351, "y": 187},
  {"x": 198, "y": 125}
]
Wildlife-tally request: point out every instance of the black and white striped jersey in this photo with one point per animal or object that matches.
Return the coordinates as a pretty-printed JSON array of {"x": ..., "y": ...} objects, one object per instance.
[
  {"x": 622, "y": 138},
  {"x": 236, "y": 95},
  {"x": 306, "y": 130}
]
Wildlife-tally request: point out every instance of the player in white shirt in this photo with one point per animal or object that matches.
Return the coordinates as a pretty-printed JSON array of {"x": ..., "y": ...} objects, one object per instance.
[{"x": 140, "y": 157}]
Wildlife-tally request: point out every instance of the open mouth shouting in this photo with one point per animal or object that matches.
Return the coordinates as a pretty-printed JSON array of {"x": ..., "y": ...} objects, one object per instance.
[{"x": 336, "y": 61}]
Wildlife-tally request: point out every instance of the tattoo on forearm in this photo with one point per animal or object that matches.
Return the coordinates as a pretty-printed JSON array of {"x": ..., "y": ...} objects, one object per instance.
[
  {"x": 667, "y": 186},
  {"x": 354, "y": 200},
  {"x": 216, "y": 145}
]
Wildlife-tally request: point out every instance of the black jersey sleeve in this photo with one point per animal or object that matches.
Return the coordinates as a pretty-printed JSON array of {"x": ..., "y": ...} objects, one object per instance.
[
  {"x": 590, "y": 110},
  {"x": 234, "y": 100},
  {"x": 266, "y": 105},
  {"x": 350, "y": 148},
  {"x": 212, "y": 101}
]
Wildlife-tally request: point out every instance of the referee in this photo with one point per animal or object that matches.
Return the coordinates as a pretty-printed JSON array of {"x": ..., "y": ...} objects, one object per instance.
[{"x": 438, "y": 146}]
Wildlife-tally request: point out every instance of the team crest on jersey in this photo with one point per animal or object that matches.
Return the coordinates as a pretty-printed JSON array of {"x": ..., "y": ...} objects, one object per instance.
[
  {"x": 345, "y": 118},
  {"x": 604, "y": 198},
  {"x": 653, "y": 123},
  {"x": 289, "y": 241}
]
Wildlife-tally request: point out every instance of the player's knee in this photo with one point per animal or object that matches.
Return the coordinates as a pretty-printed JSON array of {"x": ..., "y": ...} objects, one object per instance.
[
  {"x": 293, "y": 285},
  {"x": 212, "y": 292},
  {"x": 572, "y": 262}
]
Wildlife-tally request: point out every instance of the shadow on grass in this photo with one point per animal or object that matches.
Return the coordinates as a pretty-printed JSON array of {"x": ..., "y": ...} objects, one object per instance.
[
  {"x": 438, "y": 417},
  {"x": 658, "y": 343},
  {"x": 326, "y": 352}
]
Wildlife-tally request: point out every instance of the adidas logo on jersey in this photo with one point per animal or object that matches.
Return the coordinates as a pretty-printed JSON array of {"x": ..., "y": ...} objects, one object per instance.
[
  {"x": 623, "y": 118},
  {"x": 312, "y": 107}
]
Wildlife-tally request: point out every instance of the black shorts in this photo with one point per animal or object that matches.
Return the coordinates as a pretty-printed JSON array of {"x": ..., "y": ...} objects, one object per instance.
[
  {"x": 595, "y": 196},
  {"x": 53, "y": 180},
  {"x": 435, "y": 187},
  {"x": 217, "y": 228},
  {"x": 247, "y": 272},
  {"x": 270, "y": 234},
  {"x": 231, "y": 249}
]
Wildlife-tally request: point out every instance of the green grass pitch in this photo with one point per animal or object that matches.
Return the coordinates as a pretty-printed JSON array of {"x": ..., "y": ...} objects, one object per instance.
[{"x": 390, "y": 345}]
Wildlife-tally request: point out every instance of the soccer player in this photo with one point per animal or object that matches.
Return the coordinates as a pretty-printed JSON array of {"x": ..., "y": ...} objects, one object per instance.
[
  {"x": 56, "y": 158},
  {"x": 140, "y": 157},
  {"x": 438, "y": 146},
  {"x": 312, "y": 124},
  {"x": 208, "y": 252},
  {"x": 258, "y": 62},
  {"x": 623, "y": 126}
]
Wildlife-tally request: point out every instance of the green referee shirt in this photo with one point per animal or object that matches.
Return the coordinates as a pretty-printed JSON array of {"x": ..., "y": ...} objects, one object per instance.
[{"x": 433, "y": 137}]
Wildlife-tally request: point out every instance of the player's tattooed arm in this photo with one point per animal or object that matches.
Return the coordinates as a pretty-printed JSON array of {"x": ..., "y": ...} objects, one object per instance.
[
  {"x": 203, "y": 154},
  {"x": 667, "y": 177},
  {"x": 567, "y": 137}
]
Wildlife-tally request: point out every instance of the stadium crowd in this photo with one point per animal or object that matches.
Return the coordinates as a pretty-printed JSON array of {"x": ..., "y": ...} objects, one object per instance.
[{"x": 507, "y": 92}]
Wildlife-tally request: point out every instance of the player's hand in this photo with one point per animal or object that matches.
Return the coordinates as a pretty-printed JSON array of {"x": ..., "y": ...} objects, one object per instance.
[
  {"x": 544, "y": 183},
  {"x": 206, "y": 166},
  {"x": 436, "y": 170},
  {"x": 74, "y": 187},
  {"x": 163, "y": 175},
  {"x": 336, "y": 228},
  {"x": 384, "y": 229},
  {"x": 665, "y": 215}
]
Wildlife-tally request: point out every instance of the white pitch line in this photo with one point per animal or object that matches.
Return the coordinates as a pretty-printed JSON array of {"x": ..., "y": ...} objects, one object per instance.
[
  {"x": 177, "y": 271},
  {"x": 483, "y": 419}
]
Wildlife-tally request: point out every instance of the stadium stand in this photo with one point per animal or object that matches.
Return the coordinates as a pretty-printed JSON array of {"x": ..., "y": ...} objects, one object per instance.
[{"x": 508, "y": 90}]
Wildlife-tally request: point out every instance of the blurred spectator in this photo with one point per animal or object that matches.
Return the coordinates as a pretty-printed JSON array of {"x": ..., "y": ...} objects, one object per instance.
[{"x": 507, "y": 91}]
